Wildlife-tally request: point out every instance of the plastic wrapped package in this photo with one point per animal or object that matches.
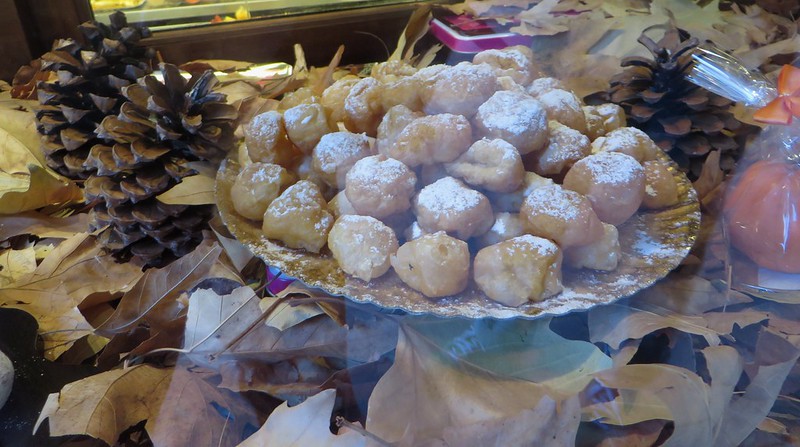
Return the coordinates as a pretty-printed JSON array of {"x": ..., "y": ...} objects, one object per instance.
[{"x": 762, "y": 205}]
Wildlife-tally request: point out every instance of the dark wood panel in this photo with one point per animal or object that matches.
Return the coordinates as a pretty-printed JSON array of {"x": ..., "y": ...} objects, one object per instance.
[
  {"x": 368, "y": 34},
  {"x": 14, "y": 48}
]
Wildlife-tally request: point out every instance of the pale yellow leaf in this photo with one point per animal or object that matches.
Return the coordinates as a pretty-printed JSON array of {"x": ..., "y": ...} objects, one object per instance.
[
  {"x": 193, "y": 190},
  {"x": 44, "y": 189},
  {"x": 285, "y": 316},
  {"x": 17, "y": 118},
  {"x": 15, "y": 264},
  {"x": 304, "y": 425}
]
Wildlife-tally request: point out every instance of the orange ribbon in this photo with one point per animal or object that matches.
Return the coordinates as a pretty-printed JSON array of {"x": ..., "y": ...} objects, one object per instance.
[{"x": 781, "y": 109}]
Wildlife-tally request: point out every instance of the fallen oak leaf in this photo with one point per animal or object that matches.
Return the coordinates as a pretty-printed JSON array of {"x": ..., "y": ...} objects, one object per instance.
[
  {"x": 154, "y": 299},
  {"x": 15, "y": 264},
  {"x": 180, "y": 406},
  {"x": 42, "y": 225},
  {"x": 306, "y": 424}
]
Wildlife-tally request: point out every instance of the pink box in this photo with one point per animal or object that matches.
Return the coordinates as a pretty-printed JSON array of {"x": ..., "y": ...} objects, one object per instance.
[{"x": 465, "y": 35}]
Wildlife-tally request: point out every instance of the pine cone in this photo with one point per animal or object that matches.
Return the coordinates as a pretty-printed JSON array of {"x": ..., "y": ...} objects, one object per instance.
[
  {"x": 86, "y": 88},
  {"x": 159, "y": 130},
  {"x": 683, "y": 119}
]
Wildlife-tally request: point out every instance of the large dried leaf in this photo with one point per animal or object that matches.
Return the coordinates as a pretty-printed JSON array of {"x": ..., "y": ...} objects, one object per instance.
[
  {"x": 284, "y": 315},
  {"x": 434, "y": 392},
  {"x": 304, "y": 425},
  {"x": 180, "y": 406},
  {"x": 687, "y": 295},
  {"x": 51, "y": 293},
  {"x": 522, "y": 349},
  {"x": 192, "y": 190},
  {"x": 539, "y": 20},
  {"x": 42, "y": 225},
  {"x": 44, "y": 188},
  {"x": 154, "y": 299},
  {"x": 14, "y": 264}
]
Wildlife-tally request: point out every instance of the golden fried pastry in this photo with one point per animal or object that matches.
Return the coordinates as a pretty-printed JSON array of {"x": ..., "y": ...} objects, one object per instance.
[
  {"x": 660, "y": 190},
  {"x": 602, "y": 254},
  {"x": 392, "y": 70},
  {"x": 449, "y": 205},
  {"x": 514, "y": 62},
  {"x": 612, "y": 181},
  {"x": 459, "y": 89},
  {"x": 336, "y": 153},
  {"x": 512, "y": 201},
  {"x": 561, "y": 215},
  {"x": 362, "y": 245},
  {"x": 306, "y": 124},
  {"x": 514, "y": 117},
  {"x": 333, "y": 97},
  {"x": 363, "y": 108},
  {"x": 405, "y": 91},
  {"x": 602, "y": 119},
  {"x": 256, "y": 186},
  {"x": 505, "y": 227},
  {"x": 541, "y": 86},
  {"x": 339, "y": 205},
  {"x": 513, "y": 272},
  {"x": 494, "y": 165},
  {"x": 394, "y": 121},
  {"x": 378, "y": 186},
  {"x": 267, "y": 142},
  {"x": 303, "y": 95},
  {"x": 630, "y": 141},
  {"x": 299, "y": 218},
  {"x": 565, "y": 147},
  {"x": 431, "y": 139},
  {"x": 435, "y": 264},
  {"x": 566, "y": 108}
]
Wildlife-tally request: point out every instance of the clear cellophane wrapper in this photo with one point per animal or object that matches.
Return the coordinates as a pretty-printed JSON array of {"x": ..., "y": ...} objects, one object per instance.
[{"x": 762, "y": 202}]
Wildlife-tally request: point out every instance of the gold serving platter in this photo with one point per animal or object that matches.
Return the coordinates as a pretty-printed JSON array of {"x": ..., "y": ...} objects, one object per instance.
[{"x": 653, "y": 243}]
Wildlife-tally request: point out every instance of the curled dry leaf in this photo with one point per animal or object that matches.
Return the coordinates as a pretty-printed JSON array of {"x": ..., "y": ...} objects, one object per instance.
[
  {"x": 181, "y": 408},
  {"x": 154, "y": 299},
  {"x": 303, "y": 425},
  {"x": 15, "y": 264},
  {"x": 193, "y": 190},
  {"x": 436, "y": 392},
  {"x": 42, "y": 225}
]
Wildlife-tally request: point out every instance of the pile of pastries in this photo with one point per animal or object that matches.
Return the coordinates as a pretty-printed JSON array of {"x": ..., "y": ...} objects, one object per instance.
[{"x": 481, "y": 172}]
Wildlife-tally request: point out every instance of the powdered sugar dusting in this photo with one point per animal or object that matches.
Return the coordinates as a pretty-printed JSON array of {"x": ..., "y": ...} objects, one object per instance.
[
  {"x": 448, "y": 195},
  {"x": 544, "y": 247},
  {"x": 377, "y": 171},
  {"x": 555, "y": 201},
  {"x": 558, "y": 99},
  {"x": 511, "y": 112},
  {"x": 624, "y": 137},
  {"x": 338, "y": 148},
  {"x": 612, "y": 168}
]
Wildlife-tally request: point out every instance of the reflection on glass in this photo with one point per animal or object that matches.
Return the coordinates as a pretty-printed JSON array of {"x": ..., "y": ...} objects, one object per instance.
[{"x": 170, "y": 14}]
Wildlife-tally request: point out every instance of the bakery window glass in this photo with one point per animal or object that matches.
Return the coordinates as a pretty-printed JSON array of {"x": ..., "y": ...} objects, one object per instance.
[{"x": 175, "y": 14}]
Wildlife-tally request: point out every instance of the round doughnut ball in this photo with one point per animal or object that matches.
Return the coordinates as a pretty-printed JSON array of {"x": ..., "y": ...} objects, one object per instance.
[
  {"x": 267, "y": 142},
  {"x": 299, "y": 218},
  {"x": 340, "y": 206},
  {"x": 435, "y": 264},
  {"x": 561, "y": 215},
  {"x": 512, "y": 201},
  {"x": 514, "y": 117},
  {"x": 333, "y": 97},
  {"x": 505, "y": 227},
  {"x": 602, "y": 119},
  {"x": 543, "y": 85},
  {"x": 514, "y": 62},
  {"x": 302, "y": 95},
  {"x": 378, "y": 186},
  {"x": 660, "y": 190},
  {"x": 362, "y": 246},
  {"x": 256, "y": 186},
  {"x": 630, "y": 141},
  {"x": 306, "y": 124},
  {"x": 363, "y": 108},
  {"x": 603, "y": 254},
  {"x": 449, "y": 205},
  {"x": 431, "y": 139},
  {"x": 566, "y": 108},
  {"x": 521, "y": 269},
  {"x": 394, "y": 121},
  {"x": 565, "y": 147},
  {"x": 612, "y": 181},
  {"x": 392, "y": 70},
  {"x": 405, "y": 91},
  {"x": 460, "y": 89},
  {"x": 336, "y": 153},
  {"x": 494, "y": 165}
]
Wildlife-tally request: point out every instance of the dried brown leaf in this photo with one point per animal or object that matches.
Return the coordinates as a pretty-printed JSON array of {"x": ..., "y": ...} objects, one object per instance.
[
  {"x": 193, "y": 190},
  {"x": 154, "y": 299},
  {"x": 288, "y": 380},
  {"x": 180, "y": 406},
  {"x": 14, "y": 264},
  {"x": 42, "y": 225},
  {"x": 710, "y": 178},
  {"x": 306, "y": 424},
  {"x": 687, "y": 295}
]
